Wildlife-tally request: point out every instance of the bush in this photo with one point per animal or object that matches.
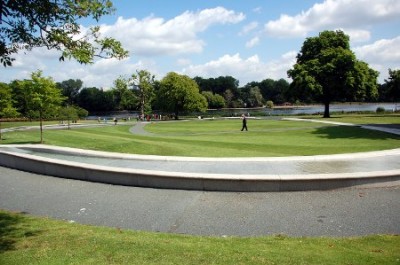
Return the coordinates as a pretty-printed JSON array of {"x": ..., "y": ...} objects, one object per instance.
[
  {"x": 270, "y": 104},
  {"x": 380, "y": 110}
]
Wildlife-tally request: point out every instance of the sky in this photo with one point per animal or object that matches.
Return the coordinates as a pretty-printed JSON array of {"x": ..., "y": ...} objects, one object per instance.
[{"x": 249, "y": 40}]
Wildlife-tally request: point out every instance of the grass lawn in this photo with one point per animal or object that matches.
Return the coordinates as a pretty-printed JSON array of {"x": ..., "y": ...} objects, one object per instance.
[
  {"x": 218, "y": 138},
  {"x": 26, "y": 239},
  {"x": 362, "y": 118},
  {"x": 32, "y": 240}
]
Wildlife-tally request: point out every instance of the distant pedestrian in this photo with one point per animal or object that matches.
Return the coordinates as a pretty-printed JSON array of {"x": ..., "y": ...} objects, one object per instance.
[{"x": 244, "y": 121}]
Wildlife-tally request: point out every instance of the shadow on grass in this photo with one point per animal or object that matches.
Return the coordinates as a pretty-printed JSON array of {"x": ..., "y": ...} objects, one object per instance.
[
  {"x": 19, "y": 142},
  {"x": 350, "y": 132},
  {"x": 11, "y": 229}
]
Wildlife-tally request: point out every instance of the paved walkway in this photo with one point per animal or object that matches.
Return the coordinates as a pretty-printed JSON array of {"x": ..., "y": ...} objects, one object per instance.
[{"x": 343, "y": 212}]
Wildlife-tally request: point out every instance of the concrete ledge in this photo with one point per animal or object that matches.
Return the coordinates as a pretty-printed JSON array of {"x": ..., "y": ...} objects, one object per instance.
[{"x": 182, "y": 180}]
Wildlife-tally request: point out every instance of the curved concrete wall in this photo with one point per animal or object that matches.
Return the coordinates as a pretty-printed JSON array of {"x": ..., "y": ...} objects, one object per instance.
[{"x": 191, "y": 181}]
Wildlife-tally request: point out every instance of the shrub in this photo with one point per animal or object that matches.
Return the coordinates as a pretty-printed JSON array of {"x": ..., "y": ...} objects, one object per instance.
[
  {"x": 380, "y": 110},
  {"x": 270, "y": 104}
]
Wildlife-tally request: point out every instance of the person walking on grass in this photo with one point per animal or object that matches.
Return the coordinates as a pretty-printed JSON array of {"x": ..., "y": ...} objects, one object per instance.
[{"x": 244, "y": 121}]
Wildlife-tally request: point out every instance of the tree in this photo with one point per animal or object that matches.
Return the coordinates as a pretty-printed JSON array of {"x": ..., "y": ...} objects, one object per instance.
[
  {"x": 124, "y": 98},
  {"x": 69, "y": 114},
  {"x": 44, "y": 98},
  {"x": 215, "y": 101},
  {"x": 255, "y": 98},
  {"x": 326, "y": 69},
  {"x": 6, "y": 107},
  {"x": 271, "y": 89},
  {"x": 143, "y": 82},
  {"x": 179, "y": 93},
  {"x": 25, "y": 24},
  {"x": 393, "y": 85},
  {"x": 94, "y": 99},
  {"x": 70, "y": 89}
]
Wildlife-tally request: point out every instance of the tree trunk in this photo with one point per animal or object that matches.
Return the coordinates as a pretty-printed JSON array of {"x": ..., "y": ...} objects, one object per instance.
[
  {"x": 142, "y": 107},
  {"x": 0, "y": 131},
  {"x": 326, "y": 112},
  {"x": 41, "y": 128}
]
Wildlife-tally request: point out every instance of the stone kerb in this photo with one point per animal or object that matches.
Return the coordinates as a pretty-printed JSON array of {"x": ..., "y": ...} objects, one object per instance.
[{"x": 10, "y": 157}]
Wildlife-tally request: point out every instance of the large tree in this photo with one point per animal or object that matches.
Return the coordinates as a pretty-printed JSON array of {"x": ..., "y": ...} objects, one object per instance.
[
  {"x": 327, "y": 70},
  {"x": 25, "y": 24},
  {"x": 179, "y": 93}
]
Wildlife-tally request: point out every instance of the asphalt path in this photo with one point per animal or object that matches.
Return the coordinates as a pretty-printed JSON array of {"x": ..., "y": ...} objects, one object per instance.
[{"x": 343, "y": 212}]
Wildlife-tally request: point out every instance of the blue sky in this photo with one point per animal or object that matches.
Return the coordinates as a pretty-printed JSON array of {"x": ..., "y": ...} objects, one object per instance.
[{"x": 250, "y": 40}]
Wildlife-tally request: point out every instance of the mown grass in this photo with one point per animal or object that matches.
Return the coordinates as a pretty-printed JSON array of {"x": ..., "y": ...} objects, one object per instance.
[
  {"x": 32, "y": 240},
  {"x": 363, "y": 119},
  {"x": 218, "y": 138}
]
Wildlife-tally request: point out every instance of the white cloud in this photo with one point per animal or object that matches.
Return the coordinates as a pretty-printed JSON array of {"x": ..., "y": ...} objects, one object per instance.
[
  {"x": 332, "y": 14},
  {"x": 253, "y": 42},
  {"x": 357, "y": 35},
  {"x": 245, "y": 70},
  {"x": 257, "y": 10},
  {"x": 154, "y": 36},
  {"x": 248, "y": 28},
  {"x": 183, "y": 61},
  {"x": 381, "y": 55}
]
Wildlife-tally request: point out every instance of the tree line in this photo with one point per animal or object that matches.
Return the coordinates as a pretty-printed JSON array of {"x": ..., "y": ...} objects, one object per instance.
[{"x": 326, "y": 71}]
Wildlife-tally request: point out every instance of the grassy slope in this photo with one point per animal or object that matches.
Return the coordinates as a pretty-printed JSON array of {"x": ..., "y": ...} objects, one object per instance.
[
  {"x": 29, "y": 240},
  {"x": 219, "y": 138}
]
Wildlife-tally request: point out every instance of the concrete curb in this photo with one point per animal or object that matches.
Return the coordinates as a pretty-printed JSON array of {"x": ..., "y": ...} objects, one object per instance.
[{"x": 11, "y": 157}]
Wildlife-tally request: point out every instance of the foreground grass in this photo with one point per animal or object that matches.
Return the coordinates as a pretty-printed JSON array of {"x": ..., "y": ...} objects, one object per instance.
[
  {"x": 218, "y": 138},
  {"x": 30, "y": 240}
]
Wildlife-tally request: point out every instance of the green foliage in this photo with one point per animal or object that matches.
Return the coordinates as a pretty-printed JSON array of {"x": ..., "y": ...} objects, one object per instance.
[
  {"x": 70, "y": 89},
  {"x": 42, "y": 98},
  {"x": 274, "y": 90},
  {"x": 6, "y": 102},
  {"x": 215, "y": 101},
  {"x": 94, "y": 99},
  {"x": 327, "y": 70},
  {"x": 392, "y": 85},
  {"x": 124, "y": 98},
  {"x": 179, "y": 93},
  {"x": 380, "y": 110},
  {"x": 26, "y": 24},
  {"x": 270, "y": 104},
  {"x": 144, "y": 83},
  {"x": 6, "y": 107}
]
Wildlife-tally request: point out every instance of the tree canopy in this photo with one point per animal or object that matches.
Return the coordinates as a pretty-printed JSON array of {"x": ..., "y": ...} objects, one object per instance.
[
  {"x": 327, "y": 70},
  {"x": 6, "y": 107},
  {"x": 143, "y": 83},
  {"x": 179, "y": 93},
  {"x": 42, "y": 97},
  {"x": 393, "y": 85},
  {"x": 25, "y": 24}
]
